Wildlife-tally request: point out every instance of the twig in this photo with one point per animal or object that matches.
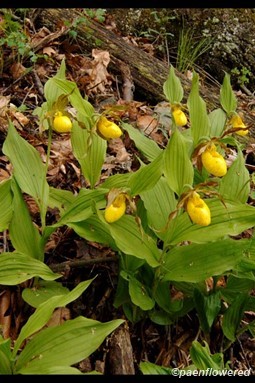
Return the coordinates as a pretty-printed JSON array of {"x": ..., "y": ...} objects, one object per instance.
[
  {"x": 38, "y": 83},
  {"x": 82, "y": 263}
]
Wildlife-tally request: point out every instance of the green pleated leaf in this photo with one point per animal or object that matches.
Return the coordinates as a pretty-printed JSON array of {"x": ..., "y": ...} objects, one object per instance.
[
  {"x": 130, "y": 240},
  {"x": 16, "y": 268},
  {"x": 44, "y": 311},
  {"x": 80, "y": 336},
  {"x": 227, "y": 96},
  {"x": 159, "y": 202},
  {"x": 217, "y": 119},
  {"x": 178, "y": 168},
  {"x": 235, "y": 185},
  {"x": 116, "y": 181},
  {"x": 233, "y": 315},
  {"x": 207, "y": 307},
  {"x": 139, "y": 294},
  {"x": 42, "y": 291},
  {"x": 5, "y": 357},
  {"x": 237, "y": 285},
  {"x": 90, "y": 151},
  {"x": 148, "y": 368},
  {"x": 29, "y": 171},
  {"x": 199, "y": 121},
  {"x": 60, "y": 198},
  {"x": 83, "y": 107},
  {"x": 51, "y": 91},
  {"x": 203, "y": 359},
  {"x": 144, "y": 144},
  {"x": 95, "y": 230},
  {"x": 172, "y": 87},
  {"x": 230, "y": 220},
  {"x": 52, "y": 370},
  {"x": 6, "y": 207},
  {"x": 81, "y": 207},
  {"x": 146, "y": 177},
  {"x": 24, "y": 235},
  {"x": 197, "y": 262}
]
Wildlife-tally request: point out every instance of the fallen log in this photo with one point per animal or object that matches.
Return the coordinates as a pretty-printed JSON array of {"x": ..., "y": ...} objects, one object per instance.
[{"x": 148, "y": 72}]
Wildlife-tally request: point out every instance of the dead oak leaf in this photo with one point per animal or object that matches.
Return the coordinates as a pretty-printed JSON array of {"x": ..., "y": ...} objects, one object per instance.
[{"x": 99, "y": 76}]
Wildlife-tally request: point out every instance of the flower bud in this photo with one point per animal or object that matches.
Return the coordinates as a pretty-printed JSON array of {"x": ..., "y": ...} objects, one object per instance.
[
  {"x": 214, "y": 162},
  {"x": 108, "y": 129},
  {"x": 198, "y": 210},
  {"x": 237, "y": 122},
  {"x": 179, "y": 116},
  {"x": 116, "y": 209}
]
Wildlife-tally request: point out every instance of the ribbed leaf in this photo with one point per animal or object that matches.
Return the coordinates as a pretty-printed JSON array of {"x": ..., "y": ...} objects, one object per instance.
[
  {"x": 207, "y": 307},
  {"x": 94, "y": 229},
  {"x": 24, "y": 235},
  {"x": 172, "y": 87},
  {"x": 199, "y": 120},
  {"x": 51, "y": 91},
  {"x": 196, "y": 262},
  {"x": 233, "y": 315},
  {"x": 217, "y": 119},
  {"x": 146, "y": 177},
  {"x": 5, "y": 357},
  {"x": 178, "y": 168},
  {"x": 203, "y": 359},
  {"x": 144, "y": 144},
  {"x": 29, "y": 171},
  {"x": 230, "y": 220},
  {"x": 130, "y": 240},
  {"x": 64, "y": 345},
  {"x": 43, "y": 313},
  {"x": 70, "y": 88},
  {"x": 159, "y": 202},
  {"x": 227, "y": 96},
  {"x": 90, "y": 151},
  {"x": 235, "y": 185},
  {"x": 148, "y": 368},
  {"x": 116, "y": 181},
  {"x": 16, "y": 268},
  {"x": 52, "y": 370},
  {"x": 139, "y": 295},
  {"x": 42, "y": 292},
  {"x": 60, "y": 198},
  {"x": 6, "y": 207},
  {"x": 81, "y": 208}
]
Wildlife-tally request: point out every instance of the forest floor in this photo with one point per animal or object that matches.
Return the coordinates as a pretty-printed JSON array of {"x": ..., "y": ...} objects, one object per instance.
[{"x": 21, "y": 91}]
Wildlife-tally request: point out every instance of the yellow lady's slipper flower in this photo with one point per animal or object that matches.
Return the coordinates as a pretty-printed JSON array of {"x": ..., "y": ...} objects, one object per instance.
[
  {"x": 237, "y": 122},
  {"x": 198, "y": 210},
  {"x": 116, "y": 209},
  {"x": 214, "y": 162},
  {"x": 179, "y": 116},
  {"x": 62, "y": 124},
  {"x": 108, "y": 129}
]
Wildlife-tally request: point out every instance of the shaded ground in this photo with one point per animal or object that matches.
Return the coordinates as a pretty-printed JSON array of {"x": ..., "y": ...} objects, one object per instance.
[{"x": 66, "y": 252}]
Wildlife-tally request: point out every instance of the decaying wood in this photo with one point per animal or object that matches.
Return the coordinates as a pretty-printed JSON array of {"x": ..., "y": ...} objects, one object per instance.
[
  {"x": 148, "y": 72},
  {"x": 120, "y": 355}
]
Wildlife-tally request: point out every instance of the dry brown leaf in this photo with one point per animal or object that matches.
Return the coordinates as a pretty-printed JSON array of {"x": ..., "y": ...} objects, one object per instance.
[
  {"x": 5, "y": 319},
  {"x": 4, "y": 105},
  {"x": 21, "y": 118},
  {"x": 49, "y": 51},
  {"x": 17, "y": 70},
  {"x": 4, "y": 175},
  {"x": 99, "y": 76},
  {"x": 59, "y": 316},
  {"x": 147, "y": 123}
]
